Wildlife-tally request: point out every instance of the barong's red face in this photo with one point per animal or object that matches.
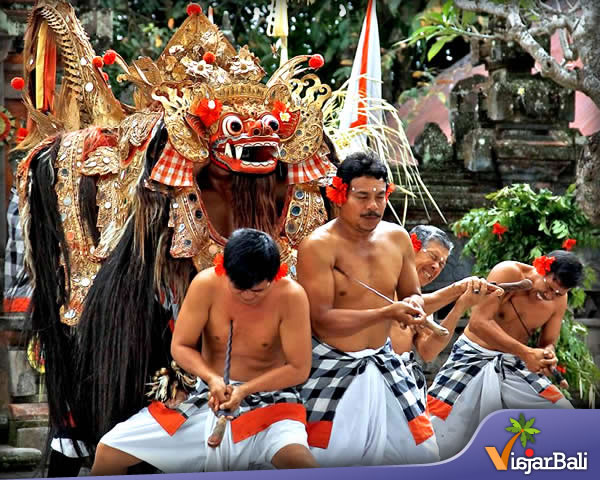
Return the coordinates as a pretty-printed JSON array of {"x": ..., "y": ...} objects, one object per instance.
[
  {"x": 246, "y": 144},
  {"x": 430, "y": 261},
  {"x": 366, "y": 203}
]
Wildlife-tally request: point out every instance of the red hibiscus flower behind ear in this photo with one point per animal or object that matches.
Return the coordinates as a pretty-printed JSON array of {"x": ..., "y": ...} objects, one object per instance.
[
  {"x": 338, "y": 191},
  {"x": 416, "y": 243},
  {"x": 219, "y": 263},
  {"x": 542, "y": 264}
]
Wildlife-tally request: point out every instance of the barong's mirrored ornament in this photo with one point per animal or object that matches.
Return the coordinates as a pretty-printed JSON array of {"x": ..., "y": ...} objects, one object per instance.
[{"x": 110, "y": 199}]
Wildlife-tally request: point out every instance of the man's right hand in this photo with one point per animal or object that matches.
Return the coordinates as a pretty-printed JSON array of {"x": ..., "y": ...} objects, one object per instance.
[
  {"x": 405, "y": 314},
  {"x": 536, "y": 360},
  {"x": 218, "y": 392}
]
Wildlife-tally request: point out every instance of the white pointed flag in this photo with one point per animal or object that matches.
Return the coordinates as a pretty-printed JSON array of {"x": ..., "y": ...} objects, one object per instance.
[{"x": 364, "y": 87}]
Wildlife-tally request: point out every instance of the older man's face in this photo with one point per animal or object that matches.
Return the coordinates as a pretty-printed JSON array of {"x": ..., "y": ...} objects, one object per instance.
[{"x": 430, "y": 261}]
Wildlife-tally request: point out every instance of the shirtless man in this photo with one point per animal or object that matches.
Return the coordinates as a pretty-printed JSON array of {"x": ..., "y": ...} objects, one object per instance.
[
  {"x": 363, "y": 404},
  {"x": 491, "y": 366},
  {"x": 247, "y": 296},
  {"x": 432, "y": 248}
]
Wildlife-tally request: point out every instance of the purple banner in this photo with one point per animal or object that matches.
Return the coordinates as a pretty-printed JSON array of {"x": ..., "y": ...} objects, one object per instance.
[{"x": 560, "y": 444}]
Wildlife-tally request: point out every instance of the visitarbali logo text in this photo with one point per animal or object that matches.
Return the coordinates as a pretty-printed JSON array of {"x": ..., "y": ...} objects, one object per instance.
[{"x": 523, "y": 430}]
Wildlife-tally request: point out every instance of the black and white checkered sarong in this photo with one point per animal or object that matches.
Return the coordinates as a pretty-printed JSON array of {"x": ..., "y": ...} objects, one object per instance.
[
  {"x": 333, "y": 371},
  {"x": 467, "y": 360}
]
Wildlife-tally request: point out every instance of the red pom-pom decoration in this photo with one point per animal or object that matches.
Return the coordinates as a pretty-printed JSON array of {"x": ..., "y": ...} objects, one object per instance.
[
  {"x": 97, "y": 62},
  {"x": 209, "y": 111},
  {"x": 193, "y": 9},
  {"x": 316, "y": 61},
  {"x": 17, "y": 83},
  {"x": 209, "y": 57},
  {"x": 109, "y": 57}
]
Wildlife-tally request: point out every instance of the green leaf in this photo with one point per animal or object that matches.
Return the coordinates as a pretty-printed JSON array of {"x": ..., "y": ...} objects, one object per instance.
[
  {"x": 523, "y": 440},
  {"x": 436, "y": 47},
  {"x": 522, "y": 420},
  {"x": 515, "y": 423},
  {"x": 513, "y": 429},
  {"x": 530, "y": 422},
  {"x": 531, "y": 431}
]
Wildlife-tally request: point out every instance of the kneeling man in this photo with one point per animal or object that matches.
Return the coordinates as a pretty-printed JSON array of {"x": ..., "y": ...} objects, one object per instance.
[{"x": 254, "y": 326}]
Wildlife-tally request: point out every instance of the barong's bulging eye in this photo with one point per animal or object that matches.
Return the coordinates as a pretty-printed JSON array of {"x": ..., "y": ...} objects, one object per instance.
[
  {"x": 232, "y": 125},
  {"x": 271, "y": 122}
]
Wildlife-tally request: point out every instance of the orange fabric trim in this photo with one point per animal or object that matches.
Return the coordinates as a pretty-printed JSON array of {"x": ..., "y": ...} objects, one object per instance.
[
  {"x": 255, "y": 421},
  {"x": 421, "y": 428},
  {"x": 319, "y": 433},
  {"x": 166, "y": 417},
  {"x": 438, "y": 408},
  {"x": 551, "y": 393},
  {"x": 16, "y": 305}
]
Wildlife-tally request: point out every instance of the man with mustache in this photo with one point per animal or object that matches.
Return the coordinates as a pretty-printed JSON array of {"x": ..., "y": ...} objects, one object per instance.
[
  {"x": 491, "y": 366},
  {"x": 364, "y": 406}
]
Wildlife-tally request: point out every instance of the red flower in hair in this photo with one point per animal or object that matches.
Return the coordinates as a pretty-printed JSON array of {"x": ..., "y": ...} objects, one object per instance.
[
  {"x": 209, "y": 111},
  {"x": 97, "y": 62},
  {"x": 193, "y": 9},
  {"x": 391, "y": 187},
  {"x": 542, "y": 264},
  {"x": 561, "y": 368},
  {"x": 499, "y": 229},
  {"x": 219, "y": 263},
  {"x": 109, "y": 57},
  {"x": 105, "y": 76},
  {"x": 569, "y": 243},
  {"x": 416, "y": 243},
  {"x": 282, "y": 272},
  {"x": 21, "y": 134},
  {"x": 316, "y": 61},
  {"x": 338, "y": 191},
  {"x": 209, "y": 57},
  {"x": 18, "y": 83}
]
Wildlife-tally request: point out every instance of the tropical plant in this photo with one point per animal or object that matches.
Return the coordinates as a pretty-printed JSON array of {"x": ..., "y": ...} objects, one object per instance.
[
  {"x": 522, "y": 224},
  {"x": 524, "y": 429}
]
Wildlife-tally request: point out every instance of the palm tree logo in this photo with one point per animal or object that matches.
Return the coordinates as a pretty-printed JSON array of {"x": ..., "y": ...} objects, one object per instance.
[{"x": 521, "y": 428}]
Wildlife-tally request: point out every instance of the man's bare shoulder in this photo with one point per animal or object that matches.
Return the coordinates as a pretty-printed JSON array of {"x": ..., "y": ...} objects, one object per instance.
[
  {"x": 393, "y": 231},
  {"x": 204, "y": 280},
  {"x": 321, "y": 239},
  {"x": 290, "y": 289},
  {"x": 508, "y": 271}
]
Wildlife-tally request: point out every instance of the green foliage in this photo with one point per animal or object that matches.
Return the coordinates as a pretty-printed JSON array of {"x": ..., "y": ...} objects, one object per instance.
[{"x": 537, "y": 223}]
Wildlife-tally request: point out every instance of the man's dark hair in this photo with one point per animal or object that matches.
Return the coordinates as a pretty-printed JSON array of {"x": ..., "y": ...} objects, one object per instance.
[
  {"x": 429, "y": 233},
  {"x": 567, "y": 268},
  {"x": 362, "y": 164},
  {"x": 250, "y": 258}
]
